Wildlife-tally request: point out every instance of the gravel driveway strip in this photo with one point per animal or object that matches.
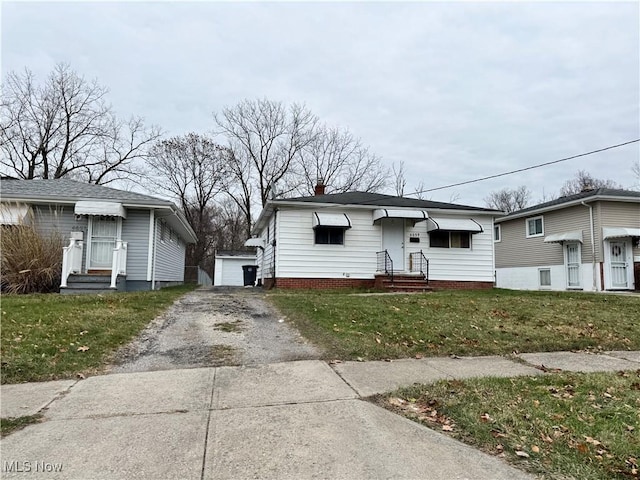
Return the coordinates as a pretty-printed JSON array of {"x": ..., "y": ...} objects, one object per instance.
[{"x": 215, "y": 326}]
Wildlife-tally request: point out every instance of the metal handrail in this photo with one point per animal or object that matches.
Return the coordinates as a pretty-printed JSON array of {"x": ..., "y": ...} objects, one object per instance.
[
  {"x": 421, "y": 264},
  {"x": 385, "y": 263}
]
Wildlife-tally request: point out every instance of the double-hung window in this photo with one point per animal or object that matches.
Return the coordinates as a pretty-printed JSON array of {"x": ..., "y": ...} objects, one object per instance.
[{"x": 535, "y": 227}]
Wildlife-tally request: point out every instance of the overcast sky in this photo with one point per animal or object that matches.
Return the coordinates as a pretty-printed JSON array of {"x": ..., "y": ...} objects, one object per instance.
[{"x": 455, "y": 90}]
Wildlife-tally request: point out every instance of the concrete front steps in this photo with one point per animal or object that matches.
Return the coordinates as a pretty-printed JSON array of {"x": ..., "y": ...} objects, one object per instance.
[
  {"x": 92, "y": 283},
  {"x": 403, "y": 282}
]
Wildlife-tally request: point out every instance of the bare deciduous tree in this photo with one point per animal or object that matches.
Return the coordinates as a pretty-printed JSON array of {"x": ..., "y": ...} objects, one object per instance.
[
  {"x": 635, "y": 169},
  {"x": 508, "y": 199},
  {"x": 64, "y": 128},
  {"x": 340, "y": 159},
  {"x": 267, "y": 137},
  {"x": 583, "y": 180},
  {"x": 193, "y": 170},
  {"x": 399, "y": 179}
]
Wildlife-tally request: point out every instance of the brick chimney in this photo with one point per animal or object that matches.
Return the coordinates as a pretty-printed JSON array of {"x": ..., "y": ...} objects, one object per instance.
[{"x": 319, "y": 189}]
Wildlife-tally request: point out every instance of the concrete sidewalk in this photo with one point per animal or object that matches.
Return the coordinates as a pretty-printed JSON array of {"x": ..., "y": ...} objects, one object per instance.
[{"x": 289, "y": 420}]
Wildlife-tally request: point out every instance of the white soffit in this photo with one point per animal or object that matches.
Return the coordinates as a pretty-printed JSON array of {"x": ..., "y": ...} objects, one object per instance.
[
  {"x": 254, "y": 242},
  {"x": 575, "y": 236},
  {"x": 111, "y": 209},
  {"x": 13, "y": 214},
  {"x": 417, "y": 215},
  {"x": 620, "y": 232},
  {"x": 321, "y": 219},
  {"x": 454, "y": 225}
]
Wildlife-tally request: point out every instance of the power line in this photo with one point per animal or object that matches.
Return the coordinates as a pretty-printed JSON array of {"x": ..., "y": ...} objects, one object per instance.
[{"x": 527, "y": 168}]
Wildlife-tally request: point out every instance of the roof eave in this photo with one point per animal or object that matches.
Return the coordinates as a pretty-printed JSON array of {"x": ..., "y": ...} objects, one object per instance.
[
  {"x": 571, "y": 203},
  {"x": 272, "y": 205}
]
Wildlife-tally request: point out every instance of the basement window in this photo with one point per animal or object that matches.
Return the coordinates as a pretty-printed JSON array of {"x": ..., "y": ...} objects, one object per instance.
[{"x": 544, "y": 277}]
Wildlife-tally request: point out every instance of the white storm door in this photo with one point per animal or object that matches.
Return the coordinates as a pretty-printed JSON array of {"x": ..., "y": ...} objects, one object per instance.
[
  {"x": 102, "y": 241},
  {"x": 618, "y": 264},
  {"x": 573, "y": 265},
  {"x": 393, "y": 241}
]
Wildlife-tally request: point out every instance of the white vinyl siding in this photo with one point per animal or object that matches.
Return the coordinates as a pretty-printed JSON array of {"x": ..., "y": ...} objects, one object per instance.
[
  {"x": 473, "y": 264},
  {"x": 299, "y": 257}
]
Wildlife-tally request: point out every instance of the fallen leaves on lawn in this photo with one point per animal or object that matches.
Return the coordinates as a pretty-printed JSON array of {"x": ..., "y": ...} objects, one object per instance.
[
  {"x": 83, "y": 348},
  {"x": 522, "y": 453}
]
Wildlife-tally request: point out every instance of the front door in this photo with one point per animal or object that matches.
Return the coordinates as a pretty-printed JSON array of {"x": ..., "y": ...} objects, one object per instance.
[
  {"x": 618, "y": 265},
  {"x": 393, "y": 241},
  {"x": 103, "y": 233},
  {"x": 573, "y": 265}
]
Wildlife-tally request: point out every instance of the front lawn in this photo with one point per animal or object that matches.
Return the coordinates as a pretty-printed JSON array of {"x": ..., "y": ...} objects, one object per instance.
[
  {"x": 53, "y": 336},
  {"x": 568, "y": 425},
  {"x": 486, "y": 322}
]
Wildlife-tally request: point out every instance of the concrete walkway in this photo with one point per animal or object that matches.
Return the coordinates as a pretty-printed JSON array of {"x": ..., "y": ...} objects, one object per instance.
[{"x": 298, "y": 420}]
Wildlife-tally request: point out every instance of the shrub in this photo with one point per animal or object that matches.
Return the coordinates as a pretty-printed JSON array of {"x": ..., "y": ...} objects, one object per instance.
[{"x": 31, "y": 262}]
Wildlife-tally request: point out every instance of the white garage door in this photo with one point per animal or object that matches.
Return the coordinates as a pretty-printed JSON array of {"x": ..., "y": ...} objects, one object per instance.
[{"x": 229, "y": 271}]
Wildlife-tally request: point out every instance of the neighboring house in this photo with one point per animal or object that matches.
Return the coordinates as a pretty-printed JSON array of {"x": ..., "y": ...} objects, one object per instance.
[
  {"x": 586, "y": 241},
  {"x": 228, "y": 271},
  {"x": 353, "y": 239},
  {"x": 114, "y": 239}
]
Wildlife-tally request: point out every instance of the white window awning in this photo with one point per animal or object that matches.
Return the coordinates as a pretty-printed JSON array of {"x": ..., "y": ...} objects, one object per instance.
[
  {"x": 254, "y": 242},
  {"x": 13, "y": 214},
  {"x": 575, "y": 236},
  {"x": 620, "y": 232},
  {"x": 454, "y": 225},
  {"x": 111, "y": 209},
  {"x": 322, "y": 219},
  {"x": 417, "y": 215}
]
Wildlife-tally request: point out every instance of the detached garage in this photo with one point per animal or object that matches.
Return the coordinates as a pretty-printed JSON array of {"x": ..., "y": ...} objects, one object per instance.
[{"x": 228, "y": 270}]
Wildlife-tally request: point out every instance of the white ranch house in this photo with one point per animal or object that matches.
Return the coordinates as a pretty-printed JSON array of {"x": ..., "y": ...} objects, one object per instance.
[
  {"x": 360, "y": 239},
  {"x": 115, "y": 240}
]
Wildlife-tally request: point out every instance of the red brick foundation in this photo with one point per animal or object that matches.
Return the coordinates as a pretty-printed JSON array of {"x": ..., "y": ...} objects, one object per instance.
[
  {"x": 328, "y": 283},
  {"x": 331, "y": 283},
  {"x": 459, "y": 285}
]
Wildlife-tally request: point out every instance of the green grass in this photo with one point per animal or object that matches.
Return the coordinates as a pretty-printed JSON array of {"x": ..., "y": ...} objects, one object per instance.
[
  {"x": 230, "y": 327},
  {"x": 486, "y": 322},
  {"x": 570, "y": 425},
  {"x": 52, "y": 336},
  {"x": 10, "y": 425}
]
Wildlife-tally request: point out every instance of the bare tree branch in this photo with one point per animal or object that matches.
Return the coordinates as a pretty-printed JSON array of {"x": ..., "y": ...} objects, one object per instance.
[
  {"x": 63, "y": 127},
  {"x": 509, "y": 200},
  {"x": 192, "y": 169}
]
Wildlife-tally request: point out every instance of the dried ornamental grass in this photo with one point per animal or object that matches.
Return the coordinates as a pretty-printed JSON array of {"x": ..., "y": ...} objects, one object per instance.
[{"x": 31, "y": 261}]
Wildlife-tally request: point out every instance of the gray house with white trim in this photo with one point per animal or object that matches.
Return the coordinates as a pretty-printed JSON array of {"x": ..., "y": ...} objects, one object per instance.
[
  {"x": 114, "y": 239},
  {"x": 587, "y": 241}
]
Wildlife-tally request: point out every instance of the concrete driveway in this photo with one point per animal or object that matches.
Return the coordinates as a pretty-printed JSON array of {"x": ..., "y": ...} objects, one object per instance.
[{"x": 215, "y": 326}]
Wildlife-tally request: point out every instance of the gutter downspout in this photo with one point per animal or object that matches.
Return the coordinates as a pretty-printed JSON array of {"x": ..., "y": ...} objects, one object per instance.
[
  {"x": 274, "y": 244},
  {"x": 155, "y": 254},
  {"x": 593, "y": 245}
]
